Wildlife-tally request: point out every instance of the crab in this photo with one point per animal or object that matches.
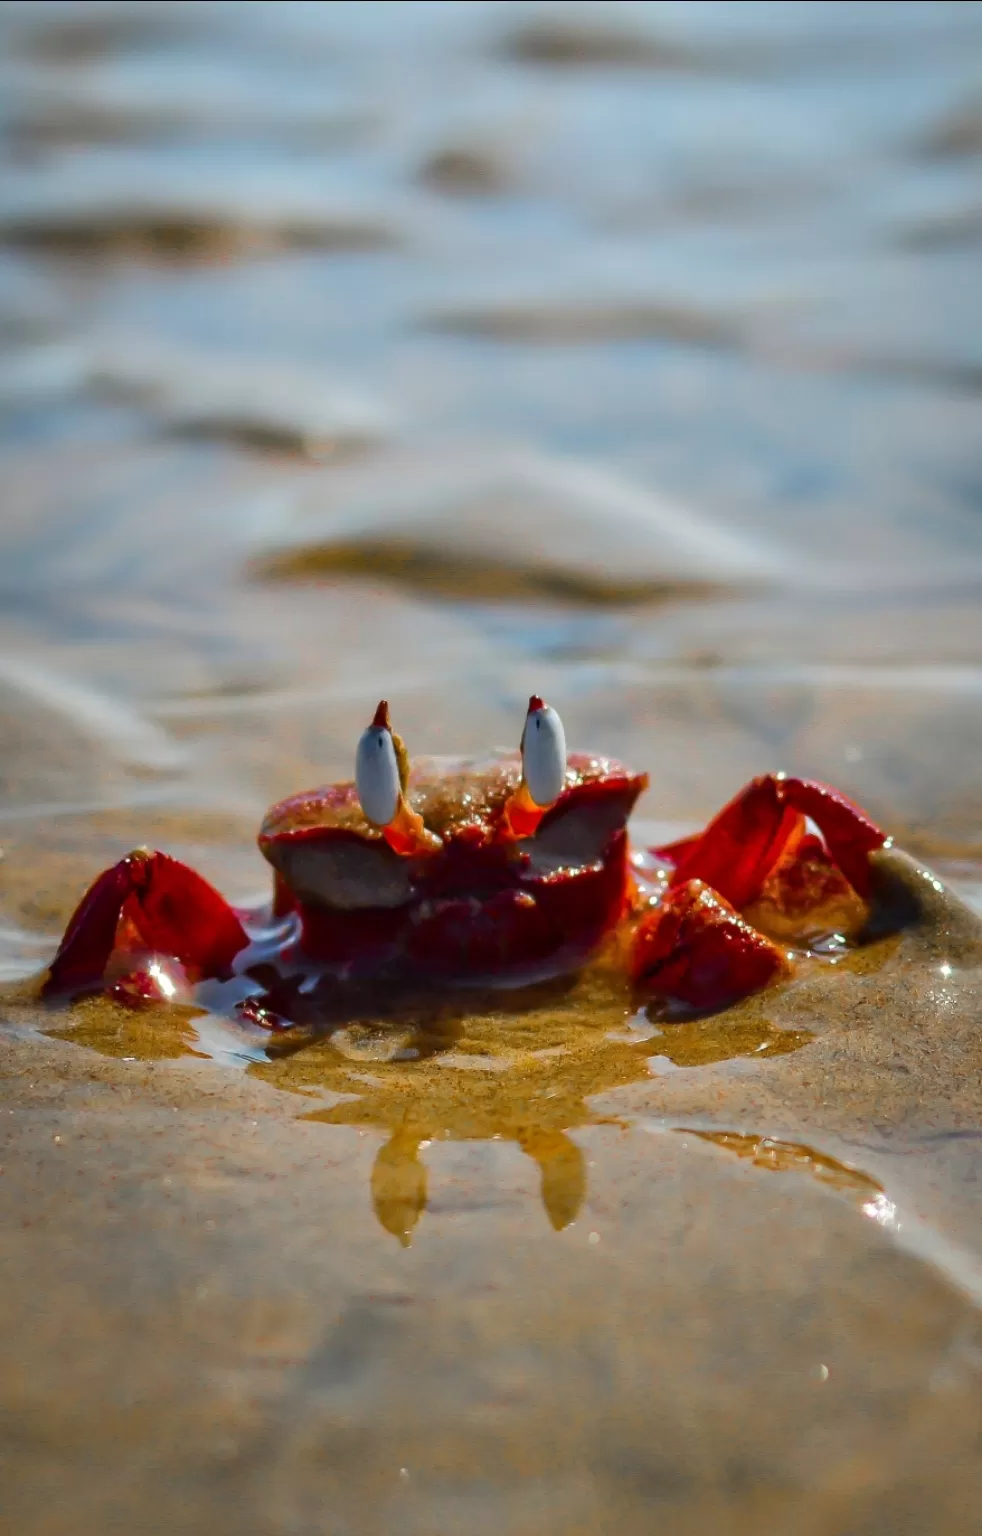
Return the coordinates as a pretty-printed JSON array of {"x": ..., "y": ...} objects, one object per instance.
[{"x": 502, "y": 871}]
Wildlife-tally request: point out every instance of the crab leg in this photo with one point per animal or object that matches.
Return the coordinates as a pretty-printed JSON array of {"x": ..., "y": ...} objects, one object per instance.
[
  {"x": 167, "y": 909},
  {"x": 744, "y": 842}
]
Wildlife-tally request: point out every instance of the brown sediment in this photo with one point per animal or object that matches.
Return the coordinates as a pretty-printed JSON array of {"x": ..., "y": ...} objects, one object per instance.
[
  {"x": 550, "y": 320},
  {"x": 957, "y": 135},
  {"x": 461, "y": 171},
  {"x": 484, "y": 580},
  {"x": 179, "y": 236},
  {"x": 569, "y": 43}
]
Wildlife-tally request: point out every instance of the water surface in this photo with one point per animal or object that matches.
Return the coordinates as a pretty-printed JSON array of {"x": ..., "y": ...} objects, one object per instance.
[{"x": 627, "y": 354}]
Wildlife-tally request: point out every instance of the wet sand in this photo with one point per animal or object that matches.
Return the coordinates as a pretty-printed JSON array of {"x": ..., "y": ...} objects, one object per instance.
[
  {"x": 565, "y": 361},
  {"x": 671, "y": 1315}
]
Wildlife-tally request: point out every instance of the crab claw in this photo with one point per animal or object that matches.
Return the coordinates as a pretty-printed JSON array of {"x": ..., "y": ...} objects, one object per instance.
[
  {"x": 694, "y": 948},
  {"x": 148, "y": 903},
  {"x": 381, "y": 779},
  {"x": 747, "y": 840},
  {"x": 543, "y": 748}
]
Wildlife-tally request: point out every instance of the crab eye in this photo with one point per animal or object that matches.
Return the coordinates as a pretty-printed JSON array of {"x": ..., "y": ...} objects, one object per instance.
[
  {"x": 377, "y": 771},
  {"x": 543, "y": 753}
]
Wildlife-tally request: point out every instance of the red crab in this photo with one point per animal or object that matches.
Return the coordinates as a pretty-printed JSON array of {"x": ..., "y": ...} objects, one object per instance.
[{"x": 508, "y": 869}]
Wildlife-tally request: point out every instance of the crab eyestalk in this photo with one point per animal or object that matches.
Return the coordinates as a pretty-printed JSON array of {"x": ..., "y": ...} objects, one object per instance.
[
  {"x": 543, "y": 748},
  {"x": 381, "y": 779}
]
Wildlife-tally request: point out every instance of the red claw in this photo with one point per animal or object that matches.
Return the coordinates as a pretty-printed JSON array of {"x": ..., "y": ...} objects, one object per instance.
[
  {"x": 757, "y": 858},
  {"x": 151, "y": 903},
  {"x": 695, "y": 949},
  {"x": 745, "y": 842}
]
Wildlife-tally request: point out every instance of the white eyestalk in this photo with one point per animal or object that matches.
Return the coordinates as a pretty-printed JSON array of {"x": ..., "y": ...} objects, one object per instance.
[
  {"x": 377, "y": 770},
  {"x": 543, "y": 770},
  {"x": 543, "y": 754},
  {"x": 381, "y": 780}
]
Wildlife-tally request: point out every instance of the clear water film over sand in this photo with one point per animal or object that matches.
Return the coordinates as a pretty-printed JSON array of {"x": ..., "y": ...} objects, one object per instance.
[{"x": 629, "y": 354}]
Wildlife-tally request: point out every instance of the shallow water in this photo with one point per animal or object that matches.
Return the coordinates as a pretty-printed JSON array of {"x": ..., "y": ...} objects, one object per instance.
[{"x": 626, "y": 354}]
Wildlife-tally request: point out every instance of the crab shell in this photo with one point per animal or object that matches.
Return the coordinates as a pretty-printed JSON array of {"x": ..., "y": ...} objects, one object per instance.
[{"x": 481, "y": 902}]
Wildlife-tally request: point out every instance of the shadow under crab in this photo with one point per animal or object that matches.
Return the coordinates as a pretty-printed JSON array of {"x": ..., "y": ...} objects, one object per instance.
[{"x": 438, "y": 1064}]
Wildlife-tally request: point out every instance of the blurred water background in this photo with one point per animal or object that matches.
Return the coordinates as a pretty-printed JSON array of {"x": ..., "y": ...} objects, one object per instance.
[{"x": 627, "y": 351}]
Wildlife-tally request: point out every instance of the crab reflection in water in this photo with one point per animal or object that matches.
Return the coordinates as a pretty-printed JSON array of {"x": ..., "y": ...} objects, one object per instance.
[
  {"x": 465, "y": 1065},
  {"x": 521, "y": 1068}
]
